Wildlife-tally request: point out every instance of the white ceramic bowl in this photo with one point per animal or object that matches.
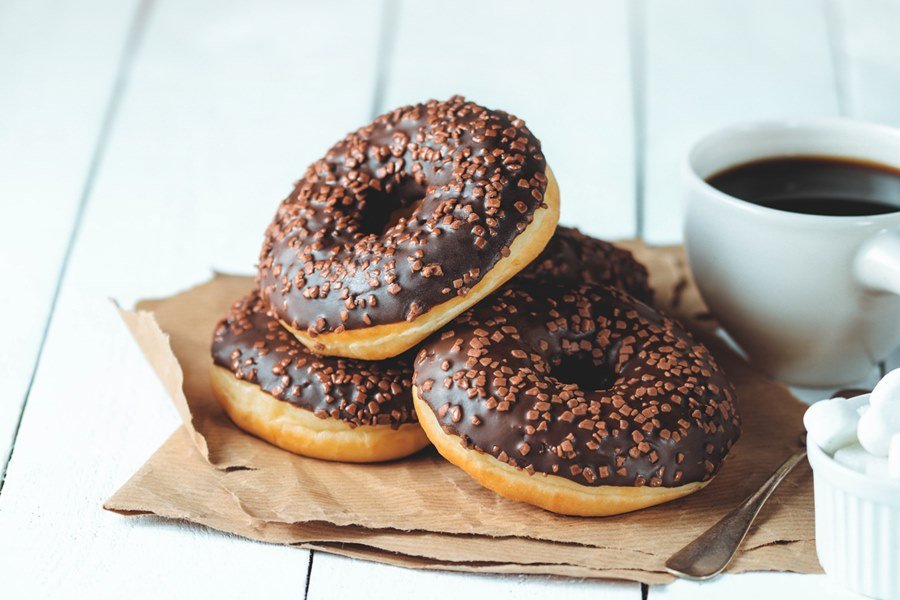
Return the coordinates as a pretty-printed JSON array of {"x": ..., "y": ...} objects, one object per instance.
[{"x": 857, "y": 527}]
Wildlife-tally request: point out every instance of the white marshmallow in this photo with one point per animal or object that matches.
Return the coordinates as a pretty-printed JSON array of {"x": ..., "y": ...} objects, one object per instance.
[
  {"x": 832, "y": 423},
  {"x": 894, "y": 457},
  {"x": 855, "y": 457},
  {"x": 887, "y": 391},
  {"x": 877, "y": 426}
]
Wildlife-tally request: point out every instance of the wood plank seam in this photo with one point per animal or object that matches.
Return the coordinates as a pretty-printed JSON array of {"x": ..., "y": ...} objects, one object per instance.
[
  {"x": 309, "y": 567},
  {"x": 636, "y": 32},
  {"x": 386, "y": 41},
  {"x": 835, "y": 32},
  {"x": 129, "y": 50}
]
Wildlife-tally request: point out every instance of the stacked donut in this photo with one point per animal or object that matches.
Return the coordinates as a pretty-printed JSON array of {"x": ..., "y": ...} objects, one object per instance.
[{"x": 414, "y": 287}]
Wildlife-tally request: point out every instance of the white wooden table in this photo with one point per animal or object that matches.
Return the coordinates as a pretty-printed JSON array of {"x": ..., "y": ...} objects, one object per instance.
[{"x": 145, "y": 143}]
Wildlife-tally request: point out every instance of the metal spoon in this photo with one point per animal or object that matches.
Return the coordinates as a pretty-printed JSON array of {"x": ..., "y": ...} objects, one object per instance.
[{"x": 709, "y": 554}]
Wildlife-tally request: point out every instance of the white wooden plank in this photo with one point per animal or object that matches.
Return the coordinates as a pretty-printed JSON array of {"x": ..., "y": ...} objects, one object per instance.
[
  {"x": 869, "y": 58},
  {"x": 569, "y": 79},
  {"x": 566, "y": 72},
  {"x": 52, "y": 103},
  {"x": 709, "y": 64},
  {"x": 752, "y": 586},
  {"x": 339, "y": 577},
  {"x": 706, "y": 65},
  {"x": 226, "y": 104},
  {"x": 96, "y": 412}
]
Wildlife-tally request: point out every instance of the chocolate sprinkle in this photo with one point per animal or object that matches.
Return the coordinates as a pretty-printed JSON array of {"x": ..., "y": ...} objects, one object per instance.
[
  {"x": 400, "y": 216},
  {"x": 252, "y": 344},
  {"x": 594, "y": 386}
]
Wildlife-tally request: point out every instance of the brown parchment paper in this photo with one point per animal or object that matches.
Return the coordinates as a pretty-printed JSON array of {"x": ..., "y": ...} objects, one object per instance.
[{"x": 423, "y": 512}]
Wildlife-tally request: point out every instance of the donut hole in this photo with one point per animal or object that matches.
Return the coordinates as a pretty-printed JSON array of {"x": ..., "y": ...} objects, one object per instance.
[
  {"x": 384, "y": 209},
  {"x": 405, "y": 213},
  {"x": 580, "y": 369}
]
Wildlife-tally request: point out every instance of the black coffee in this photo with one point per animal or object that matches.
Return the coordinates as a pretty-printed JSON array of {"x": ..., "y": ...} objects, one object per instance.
[{"x": 814, "y": 185}]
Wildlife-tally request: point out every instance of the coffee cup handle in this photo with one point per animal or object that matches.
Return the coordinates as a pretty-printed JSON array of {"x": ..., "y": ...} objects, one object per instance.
[{"x": 877, "y": 263}]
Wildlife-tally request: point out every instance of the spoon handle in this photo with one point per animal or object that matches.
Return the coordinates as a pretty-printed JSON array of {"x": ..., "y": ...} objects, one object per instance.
[{"x": 709, "y": 554}]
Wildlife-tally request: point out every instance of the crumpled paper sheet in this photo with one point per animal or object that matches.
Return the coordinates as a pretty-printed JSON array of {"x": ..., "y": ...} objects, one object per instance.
[{"x": 423, "y": 512}]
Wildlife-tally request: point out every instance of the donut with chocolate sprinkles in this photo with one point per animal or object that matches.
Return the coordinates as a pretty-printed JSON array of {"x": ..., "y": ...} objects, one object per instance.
[
  {"x": 331, "y": 408},
  {"x": 573, "y": 258},
  {"x": 404, "y": 224},
  {"x": 580, "y": 400}
]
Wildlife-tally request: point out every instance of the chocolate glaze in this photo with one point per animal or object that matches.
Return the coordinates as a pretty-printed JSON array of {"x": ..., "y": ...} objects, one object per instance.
[
  {"x": 572, "y": 258},
  {"x": 252, "y": 344},
  {"x": 648, "y": 404},
  {"x": 461, "y": 182}
]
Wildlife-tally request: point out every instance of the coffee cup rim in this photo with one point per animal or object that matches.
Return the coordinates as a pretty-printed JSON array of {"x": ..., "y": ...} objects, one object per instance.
[{"x": 748, "y": 127}]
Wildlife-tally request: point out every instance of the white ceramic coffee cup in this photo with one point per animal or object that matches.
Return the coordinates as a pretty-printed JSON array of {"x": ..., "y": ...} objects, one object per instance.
[{"x": 813, "y": 300}]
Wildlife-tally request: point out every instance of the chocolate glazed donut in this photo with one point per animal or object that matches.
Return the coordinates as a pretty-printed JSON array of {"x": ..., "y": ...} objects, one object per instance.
[
  {"x": 404, "y": 224},
  {"x": 332, "y": 408},
  {"x": 572, "y": 259},
  {"x": 582, "y": 401}
]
